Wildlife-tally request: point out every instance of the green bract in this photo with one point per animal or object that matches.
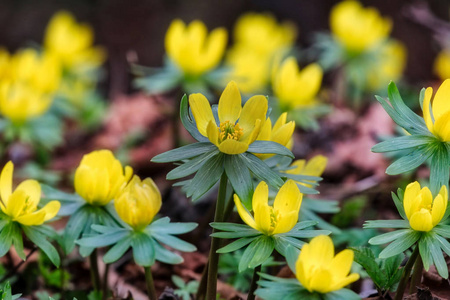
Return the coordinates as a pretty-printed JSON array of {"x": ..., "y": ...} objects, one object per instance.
[
  {"x": 146, "y": 244},
  {"x": 260, "y": 246},
  {"x": 421, "y": 144}
]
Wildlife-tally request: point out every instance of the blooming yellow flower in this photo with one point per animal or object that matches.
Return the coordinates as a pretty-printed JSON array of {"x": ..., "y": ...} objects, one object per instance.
[
  {"x": 422, "y": 212},
  {"x": 358, "y": 28},
  {"x": 279, "y": 218},
  {"x": 442, "y": 64},
  {"x": 192, "y": 49},
  {"x": 19, "y": 102},
  {"x": 318, "y": 270},
  {"x": 21, "y": 204},
  {"x": 389, "y": 66},
  {"x": 437, "y": 119},
  {"x": 314, "y": 167},
  {"x": 100, "y": 177},
  {"x": 281, "y": 133},
  {"x": 72, "y": 42},
  {"x": 4, "y": 62},
  {"x": 138, "y": 203},
  {"x": 239, "y": 126},
  {"x": 295, "y": 88}
]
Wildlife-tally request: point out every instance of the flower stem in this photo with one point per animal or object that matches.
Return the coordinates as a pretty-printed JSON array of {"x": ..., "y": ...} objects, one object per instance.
[
  {"x": 95, "y": 277},
  {"x": 211, "y": 287},
  {"x": 254, "y": 284},
  {"x": 150, "y": 285},
  {"x": 406, "y": 273},
  {"x": 105, "y": 283},
  {"x": 416, "y": 276}
]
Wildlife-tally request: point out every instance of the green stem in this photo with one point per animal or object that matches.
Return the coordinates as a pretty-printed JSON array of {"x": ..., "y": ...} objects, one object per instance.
[
  {"x": 105, "y": 283},
  {"x": 150, "y": 285},
  {"x": 202, "y": 285},
  {"x": 95, "y": 277},
  {"x": 211, "y": 287},
  {"x": 254, "y": 284},
  {"x": 406, "y": 273},
  {"x": 416, "y": 276}
]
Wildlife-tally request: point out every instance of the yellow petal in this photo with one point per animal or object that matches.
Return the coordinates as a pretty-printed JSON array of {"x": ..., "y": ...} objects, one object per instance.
[
  {"x": 283, "y": 135},
  {"x": 321, "y": 281},
  {"x": 286, "y": 222},
  {"x": 51, "y": 209},
  {"x": 426, "y": 109},
  {"x": 315, "y": 166},
  {"x": 255, "y": 108},
  {"x": 427, "y": 197},
  {"x": 344, "y": 282},
  {"x": 441, "y": 103},
  {"x": 201, "y": 109},
  {"x": 298, "y": 166},
  {"x": 444, "y": 193},
  {"x": 6, "y": 182},
  {"x": 32, "y": 189},
  {"x": 261, "y": 195},
  {"x": 32, "y": 219},
  {"x": 438, "y": 210},
  {"x": 322, "y": 250},
  {"x": 342, "y": 263},
  {"x": 421, "y": 221},
  {"x": 442, "y": 126},
  {"x": 230, "y": 146},
  {"x": 213, "y": 133},
  {"x": 243, "y": 213},
  {"x": 288, "y": 198},
  {"x": 254, "y": 134},
  {"x": 16, "y": 203},
  {"x": 230, "y": 104},
  {"x": 262, "y": 214},
  {"x": 411, "y": 192},
  {"x": 214, "y": 48},
  {"x": 266, "y": 131},
  {"x": 280, "y": 122}
]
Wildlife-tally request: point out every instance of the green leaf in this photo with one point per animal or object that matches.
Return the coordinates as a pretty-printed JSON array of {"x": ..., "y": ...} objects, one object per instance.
[
  {"x": 118, "y": 250},
  {"x": 166, "y": 256},
  {"x": 443, "y": 230},
  {"x": 444, "y": 244},
  {"x": 174, "y": 242},
  {"x": 184, "y": 152},
  {"x": 188, "y": 121},
  {"x": 238, "y": 244},
  {"x": 143, "y": 250},
  {"x": 400, "y": 244},
  {"x": 282, "y": 242},
  {"x": 392, "y": 269},
  {"x": 439, "y": 169},
  {"x": 40, "y": 241},
  {"x": 261, "y": 170},
  {"x": 398, "y": 201},
  {"x": 410, "y": 162},
  {"x": 305, "y": 234},
  {"x": 16, "y": 235},
  {"x": 163, "y": 226},
  {"x": 342, "y": 294},
  {"x": 232, "y": 227},
  {"x": 366, "y": 258},
  {"x": 269, "y": 147},
  {"x": 206, "y": 177},
  {"x": 256, "y": 253},
  {"x": 103, "y": 240},
  {"x": 6, "y": 238},
  {"x": 403, "y": 143},
  {"x": 191, "y": 166},
  {"x": 74, "y": 227},
  {"x": 424, "y": 250},
  {"x": 386, "y": 224},
  {"x": 158, "y": 83},
  {"x": 438, "y": 257},
  {"x": 240, "y": 178},
  {"x": 395, "y": 116},
  {"x": 389, "y": 236},
  {"x": 291, "y": 255}
]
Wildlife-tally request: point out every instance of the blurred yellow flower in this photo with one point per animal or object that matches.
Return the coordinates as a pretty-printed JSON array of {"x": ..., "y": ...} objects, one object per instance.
[
  {"x": 270, "y": 220},
  {"x": 280, "y": 133},
  {"x": 19, "y": 102},
  {"x": 100, "y": 177},
  {"x": 389, "y": 66},
  {"x": 358, "y": 28},
  {"x": 138, "y": 203},
  {"x": 192, "y": 49},
  {"x": 295, "y": 88},
  {"x": 422, "y": 212},
  {"x": 4, "y": 62},
  {"x": 437, "y": 119},
  {"x": 21, "y": 204},
  {"x": 239, "y": 126},
  {"x": 72, "y": 43},
  {"x": 319, "y": 270},
  {"x": 441, "y": 64},
  {"x": 314, "y": 167}
]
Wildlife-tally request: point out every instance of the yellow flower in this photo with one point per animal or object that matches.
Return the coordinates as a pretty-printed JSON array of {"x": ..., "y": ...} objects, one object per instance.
[
  {"x": 295, "y": 88},
  {"x": 318, "y": 270},
  {"x": 21, "y": 204},
  {"x": 239, "y": 126},
  {"x": 442, "y": 64},
  {"x": 192, "y": 49},
  {"x": 422, "y": 212},
  {"x": 358, "y": 28},
  {"x": 4, "y": 62},
  {"x": 100, "y": 177},
  {"x": 437, "y": 119},
  {"x": 279, "y": 218},
  {"x": 72, "y": 42},
  {"x": 138, "y": 203},
  {"x": 389, "y": 66},
  {"x": 262, "y": 34},
  {"x": 19, "y": 102},
  {"x": 281, "y": 133},
  {"x": 314, "y": 167}
]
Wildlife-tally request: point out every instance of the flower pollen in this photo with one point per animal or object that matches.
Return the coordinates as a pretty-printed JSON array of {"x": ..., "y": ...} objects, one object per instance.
[{"x": 230, "y": 131}]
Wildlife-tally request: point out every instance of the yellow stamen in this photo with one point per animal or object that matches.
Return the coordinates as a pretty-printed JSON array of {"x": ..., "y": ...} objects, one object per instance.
[{"x": 230, "y": 131}]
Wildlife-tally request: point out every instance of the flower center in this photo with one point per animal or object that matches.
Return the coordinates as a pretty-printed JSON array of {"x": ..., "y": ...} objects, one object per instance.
[
  {"x": 273, "y": 218},
  {"x": 230, "y": 131}
]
